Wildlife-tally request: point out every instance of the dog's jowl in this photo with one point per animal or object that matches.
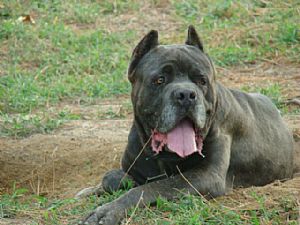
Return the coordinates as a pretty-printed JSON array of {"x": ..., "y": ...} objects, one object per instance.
[{"x": 190, "y": 133}]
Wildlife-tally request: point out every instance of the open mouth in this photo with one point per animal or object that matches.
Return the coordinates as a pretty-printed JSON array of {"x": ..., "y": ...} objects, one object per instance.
[{"x": 184, "y": 139}]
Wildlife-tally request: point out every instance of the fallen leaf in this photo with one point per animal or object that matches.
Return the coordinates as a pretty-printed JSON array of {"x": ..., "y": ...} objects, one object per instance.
[{"x": 26, "y": 19}]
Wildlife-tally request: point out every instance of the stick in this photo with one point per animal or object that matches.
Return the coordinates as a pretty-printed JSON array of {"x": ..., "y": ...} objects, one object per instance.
[
  {"x": 135, "y": 208},
  {"x": 189, "y": 183}
]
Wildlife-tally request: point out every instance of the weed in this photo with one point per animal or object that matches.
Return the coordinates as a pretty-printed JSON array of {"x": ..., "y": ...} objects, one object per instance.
[
  {"x": 289, "y": 33},
  {"x": 10, "y": 204}
]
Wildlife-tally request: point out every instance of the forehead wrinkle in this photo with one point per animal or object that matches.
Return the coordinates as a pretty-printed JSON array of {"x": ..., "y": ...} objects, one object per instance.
[
  {"x": 180, "y": 55},
  {"x": 189, "y": 61}
]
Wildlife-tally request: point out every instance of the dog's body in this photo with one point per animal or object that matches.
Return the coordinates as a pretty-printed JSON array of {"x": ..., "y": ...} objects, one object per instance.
[
  {"x": 259, "y": 145},
  {"x": 188, "y": 127}
]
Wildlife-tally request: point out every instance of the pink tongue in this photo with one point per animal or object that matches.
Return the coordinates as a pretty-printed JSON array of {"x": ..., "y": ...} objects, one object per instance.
[{"x": 181, "y": 139}]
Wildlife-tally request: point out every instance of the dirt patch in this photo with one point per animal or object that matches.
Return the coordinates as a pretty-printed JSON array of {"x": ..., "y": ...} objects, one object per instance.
[
  {"x": 22, "y": 221},
  {"x": 74, "y": 157}
]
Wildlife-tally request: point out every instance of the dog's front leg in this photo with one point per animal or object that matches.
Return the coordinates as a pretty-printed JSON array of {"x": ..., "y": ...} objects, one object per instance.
[
  {"x": 209, "y": 181},
  {"x": 111, "y": 213},
  {"x": 190, "y": 182}
]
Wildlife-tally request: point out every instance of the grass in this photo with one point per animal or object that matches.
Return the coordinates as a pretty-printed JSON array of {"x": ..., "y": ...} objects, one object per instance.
[
  {"x": 240, "y": 32},
  {"x": 186, "y": 210},
  {"x": 69, "y": 54},
  {"x": 78, "y": 66},
  {"x": 22, "y": 125},
  {"x": 194, "y": 210},
  {"x": 41, "y": 210}
]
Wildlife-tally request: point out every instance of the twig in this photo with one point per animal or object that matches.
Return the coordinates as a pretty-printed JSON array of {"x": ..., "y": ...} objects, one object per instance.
[
  {"x": 294, "y": 101},
  {"x": 38, "y": 185},
  {"x": 53, "y": 168},
  {"x": 136, "y": 158},
  {"x": 41, "y": 72},
  {"x": 32, "y": 184},
  {"x": 189, "y": 183},
  {"x": 298, "y": 203},
  {"x": 135, "y": 208},
  {"x": 204, "y": 199},
  {"x": 269, "y": 61}
]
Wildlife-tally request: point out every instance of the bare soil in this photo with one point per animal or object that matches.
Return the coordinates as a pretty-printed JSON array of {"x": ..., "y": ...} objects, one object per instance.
[
  {"x": 73, "y": 157},
  {"x": 78, "y": 154}
]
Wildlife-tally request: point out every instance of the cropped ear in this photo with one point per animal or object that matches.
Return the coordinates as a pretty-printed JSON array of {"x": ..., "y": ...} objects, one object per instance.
[
  {"x": 193, "y": 38},
  {"x": 149, "y": 42}
]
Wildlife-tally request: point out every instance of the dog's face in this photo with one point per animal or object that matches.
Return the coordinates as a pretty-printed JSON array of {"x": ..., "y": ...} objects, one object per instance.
[{"x": 172, "y": 93}]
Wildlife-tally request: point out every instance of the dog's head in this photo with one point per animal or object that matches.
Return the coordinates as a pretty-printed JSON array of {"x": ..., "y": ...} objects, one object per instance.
[{"x": 173, "y": 93}]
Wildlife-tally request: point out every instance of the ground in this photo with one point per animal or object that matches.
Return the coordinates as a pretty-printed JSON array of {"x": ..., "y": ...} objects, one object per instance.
[{"x": 65, "y": 109}]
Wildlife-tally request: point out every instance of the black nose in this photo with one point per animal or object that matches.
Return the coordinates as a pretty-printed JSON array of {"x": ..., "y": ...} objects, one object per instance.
[{"x": 185, "y": 97}]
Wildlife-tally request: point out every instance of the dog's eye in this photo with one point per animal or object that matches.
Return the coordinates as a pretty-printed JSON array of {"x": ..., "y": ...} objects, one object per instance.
[
  {"x": 202, "y": 81},
  {"x": 159, "y": 80}
]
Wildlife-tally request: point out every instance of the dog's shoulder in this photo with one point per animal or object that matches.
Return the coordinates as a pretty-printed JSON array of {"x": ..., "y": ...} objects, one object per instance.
[{"x": 255, "y": 103}]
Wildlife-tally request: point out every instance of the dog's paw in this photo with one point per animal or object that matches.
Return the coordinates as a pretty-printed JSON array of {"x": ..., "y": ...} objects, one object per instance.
[
  {"x": 115, "y": 180},
  {"x": 108, "y": 214}
]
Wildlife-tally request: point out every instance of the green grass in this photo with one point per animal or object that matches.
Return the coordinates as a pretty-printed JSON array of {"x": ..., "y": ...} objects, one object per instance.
[
  {"x": 49, "y": 62},
  {"x": 236, "y": 32},
  {"x": 85, "y": 66},
  {"x": 41, "y": 210},
  {"x": 186, "y": 210},
  {"x": 68, "y": 54},
  {"x": 22, "y": 125},
  {"x": 194, "y": 210}
]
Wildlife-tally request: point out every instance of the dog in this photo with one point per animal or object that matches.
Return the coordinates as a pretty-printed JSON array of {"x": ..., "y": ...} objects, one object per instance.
[{"x": 191, "y": 133}]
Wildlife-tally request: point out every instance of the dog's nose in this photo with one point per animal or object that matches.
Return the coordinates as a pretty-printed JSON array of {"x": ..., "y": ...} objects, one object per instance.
[{"x": 185, "y": 97}]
